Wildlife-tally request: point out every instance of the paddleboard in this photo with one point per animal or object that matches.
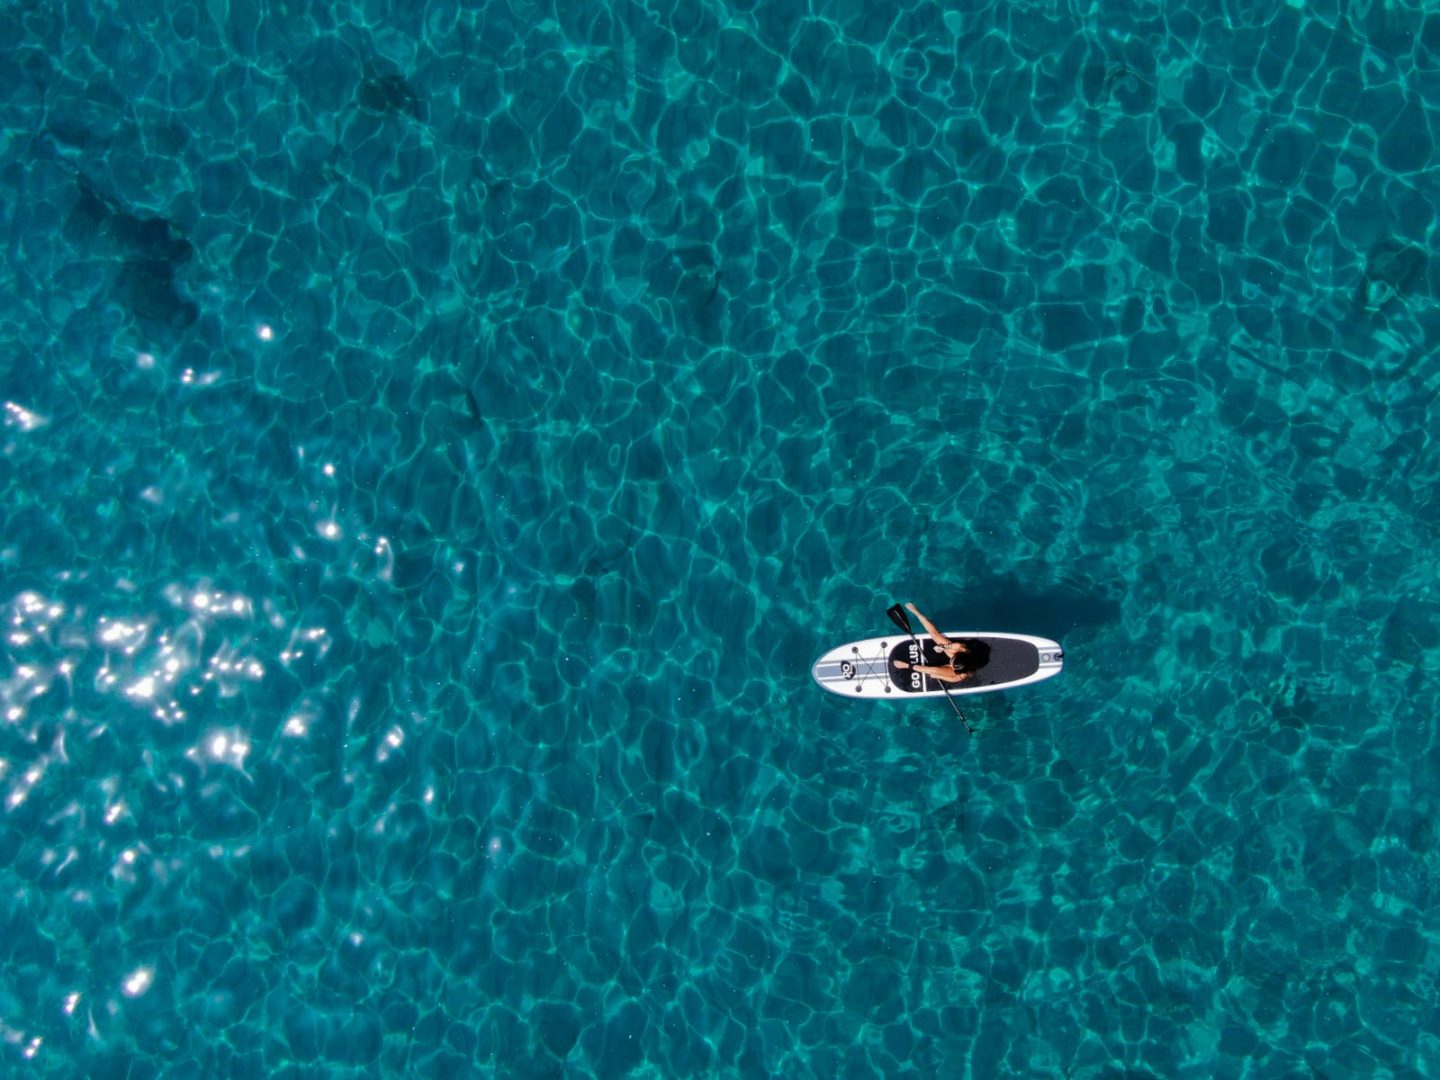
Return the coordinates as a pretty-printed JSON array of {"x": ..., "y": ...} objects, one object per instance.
[{"x": 866, "y": 669}]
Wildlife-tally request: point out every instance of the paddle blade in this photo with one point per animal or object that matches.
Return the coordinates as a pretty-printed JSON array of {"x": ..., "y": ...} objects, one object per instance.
[{"x": 899, "y": 618}]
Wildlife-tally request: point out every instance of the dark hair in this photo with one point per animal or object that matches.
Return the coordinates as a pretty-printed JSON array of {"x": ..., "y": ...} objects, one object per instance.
[{"x": 975, "y": 656}]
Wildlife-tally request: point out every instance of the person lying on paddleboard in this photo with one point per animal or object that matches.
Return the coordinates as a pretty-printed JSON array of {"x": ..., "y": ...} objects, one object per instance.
[{"x": 964, "y": 656}]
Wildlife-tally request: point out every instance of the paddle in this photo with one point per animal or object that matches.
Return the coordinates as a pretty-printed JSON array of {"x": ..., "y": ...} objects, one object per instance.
[{"x": 900, "y": 619}]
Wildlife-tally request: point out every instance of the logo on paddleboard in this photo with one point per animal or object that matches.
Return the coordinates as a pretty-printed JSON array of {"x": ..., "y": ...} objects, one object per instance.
[{"x": 847, "y": 669}]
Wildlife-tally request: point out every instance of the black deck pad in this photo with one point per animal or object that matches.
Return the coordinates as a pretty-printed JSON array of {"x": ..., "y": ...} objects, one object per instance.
[{"x": 1010, "y": 660}]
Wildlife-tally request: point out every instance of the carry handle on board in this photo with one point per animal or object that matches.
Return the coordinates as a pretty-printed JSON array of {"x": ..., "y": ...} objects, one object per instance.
[{"x": 900, "y": 619}]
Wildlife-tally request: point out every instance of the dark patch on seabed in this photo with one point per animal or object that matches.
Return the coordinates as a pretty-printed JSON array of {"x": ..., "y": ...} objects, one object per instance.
[
  {"x": 1393, "y": 270},
  {"x": 388, "y": 95},
  {"x": 150, "y": 250}
]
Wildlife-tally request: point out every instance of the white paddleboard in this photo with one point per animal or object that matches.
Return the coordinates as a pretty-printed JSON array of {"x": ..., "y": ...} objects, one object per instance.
[{"x": 866, "y": 669}]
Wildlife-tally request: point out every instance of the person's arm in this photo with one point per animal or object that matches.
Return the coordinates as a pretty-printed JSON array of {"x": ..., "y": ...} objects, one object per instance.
[
  {"x": 944, "y": 674},
  {"x": 929, "y": 626}
]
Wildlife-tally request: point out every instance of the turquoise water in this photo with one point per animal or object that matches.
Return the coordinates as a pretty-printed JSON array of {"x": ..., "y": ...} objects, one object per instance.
[{"x": 438, "y": 441}]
